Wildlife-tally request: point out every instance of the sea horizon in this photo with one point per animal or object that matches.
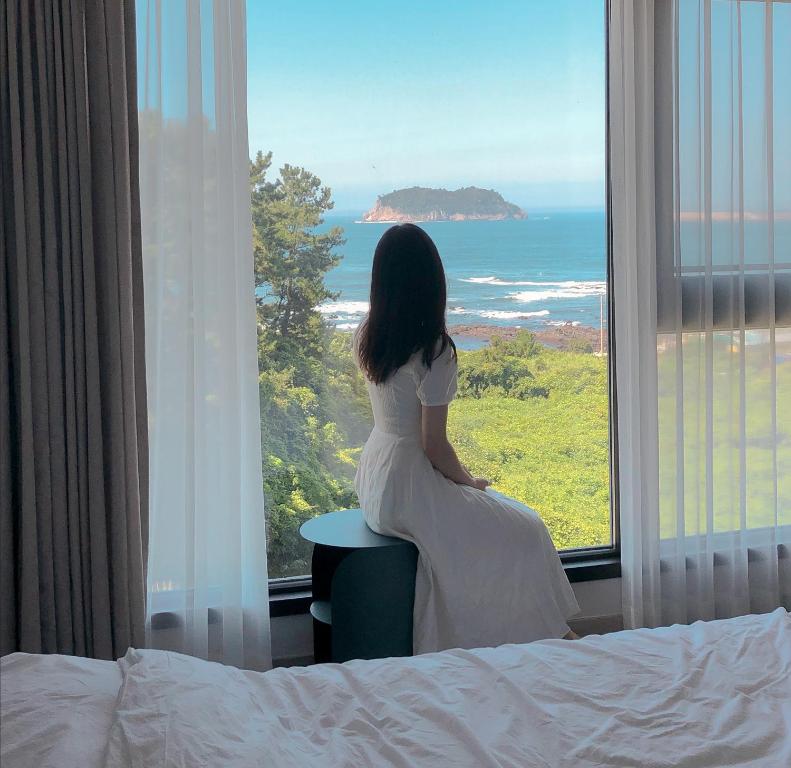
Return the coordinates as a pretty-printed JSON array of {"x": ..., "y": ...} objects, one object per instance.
[{"x": 539, "y": 273}]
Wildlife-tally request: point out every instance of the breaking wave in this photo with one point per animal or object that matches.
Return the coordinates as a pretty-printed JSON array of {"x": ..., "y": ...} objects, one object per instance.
[
  {"x": 343, "y": 308},
  {"x": 498, "y": 314},
  {"x": 570, "y": 288},
  {"x": 508, "y": 315}
]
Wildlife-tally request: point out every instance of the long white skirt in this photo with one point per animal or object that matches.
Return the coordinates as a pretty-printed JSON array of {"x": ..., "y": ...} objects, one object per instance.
[{"x": 488, "y": 572}]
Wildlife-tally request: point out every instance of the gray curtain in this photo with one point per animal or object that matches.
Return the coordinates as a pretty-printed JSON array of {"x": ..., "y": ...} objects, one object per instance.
[{"x": 73, "y": 445}]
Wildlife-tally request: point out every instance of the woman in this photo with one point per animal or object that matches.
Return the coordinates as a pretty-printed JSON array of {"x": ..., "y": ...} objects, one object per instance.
[{"x": 488, "y": 572}]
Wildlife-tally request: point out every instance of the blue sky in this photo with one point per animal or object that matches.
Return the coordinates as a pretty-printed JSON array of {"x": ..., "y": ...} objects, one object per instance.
[{"x": 372, "y": 97}]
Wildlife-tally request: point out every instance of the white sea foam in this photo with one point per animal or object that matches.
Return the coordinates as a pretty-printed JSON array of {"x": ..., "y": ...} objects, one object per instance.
[
  {"x": 493, "y": 314},
  {"x": 343, "y": 308},
  {"x": 498, "y": 314},
  {"x": 569, "y": 290},
  {"x": 572, "y": 288},
  {"x": 559, "y": 323}
]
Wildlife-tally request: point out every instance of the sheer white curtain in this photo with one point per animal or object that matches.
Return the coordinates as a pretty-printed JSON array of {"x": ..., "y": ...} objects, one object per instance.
[
  {"x": 633, "y": 207},
  {"x": 208, "y": 590},
  {"x": 700, "y": 115}
]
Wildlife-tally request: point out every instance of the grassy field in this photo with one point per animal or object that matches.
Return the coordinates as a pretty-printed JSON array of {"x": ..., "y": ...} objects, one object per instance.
[{"x": 548, "y": 450}]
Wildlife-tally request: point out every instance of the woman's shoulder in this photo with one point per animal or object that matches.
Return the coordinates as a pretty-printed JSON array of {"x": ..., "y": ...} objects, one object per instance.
[
  {"x": 436, "y": 384},
  {"x": 445, "y": 349},
  {"x": 444, "y": 354}
]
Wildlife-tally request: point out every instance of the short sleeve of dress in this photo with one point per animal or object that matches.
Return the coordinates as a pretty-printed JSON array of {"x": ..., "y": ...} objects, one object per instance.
[{"x": 438, "y": 384}]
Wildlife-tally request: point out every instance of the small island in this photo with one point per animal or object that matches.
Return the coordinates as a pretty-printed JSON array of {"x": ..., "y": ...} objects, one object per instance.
[{"x": 426, "y": 204}]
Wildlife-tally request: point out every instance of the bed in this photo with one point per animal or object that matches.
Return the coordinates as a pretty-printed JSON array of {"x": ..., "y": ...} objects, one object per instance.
[{"x": 710, "y": 694}]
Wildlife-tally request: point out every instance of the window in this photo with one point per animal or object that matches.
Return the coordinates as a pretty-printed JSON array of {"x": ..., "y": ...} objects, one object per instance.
[
  {"x": 724, "y": 272},
  {"x": 351, "y": 111}
]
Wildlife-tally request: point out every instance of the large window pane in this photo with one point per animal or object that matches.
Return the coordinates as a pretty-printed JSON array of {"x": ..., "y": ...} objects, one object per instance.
[{"x": 507, "y": 98}]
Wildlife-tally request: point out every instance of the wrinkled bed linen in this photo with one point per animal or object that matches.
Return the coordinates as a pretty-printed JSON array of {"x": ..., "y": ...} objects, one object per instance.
[
  {"x": 712, "y": 694},
  {"x": 56, "y": 711}
]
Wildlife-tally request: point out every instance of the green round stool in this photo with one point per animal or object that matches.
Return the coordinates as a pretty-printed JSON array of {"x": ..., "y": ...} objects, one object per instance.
[{"x": 363, "y": 589}]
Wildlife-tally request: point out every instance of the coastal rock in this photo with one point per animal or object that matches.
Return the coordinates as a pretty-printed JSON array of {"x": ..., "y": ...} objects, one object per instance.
[
  {"x": 563, "y": 336},
  {"x": 417, "y": 204}
]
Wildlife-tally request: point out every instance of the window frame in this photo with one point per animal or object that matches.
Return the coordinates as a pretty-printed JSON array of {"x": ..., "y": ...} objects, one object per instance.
[{"x": 289, "y": 595}]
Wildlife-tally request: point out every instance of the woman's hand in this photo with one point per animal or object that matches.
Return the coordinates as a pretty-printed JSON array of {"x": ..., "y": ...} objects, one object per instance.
[{"x": 481, "y": 483}]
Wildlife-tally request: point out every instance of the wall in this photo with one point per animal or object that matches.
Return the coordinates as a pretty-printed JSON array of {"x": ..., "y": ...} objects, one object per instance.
[{"x": 600, "y": 611}]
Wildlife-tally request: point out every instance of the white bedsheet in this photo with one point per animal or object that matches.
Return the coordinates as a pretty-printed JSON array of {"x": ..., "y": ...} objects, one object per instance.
[
  {"x": 56, "y": 711},
  {"x": 716, "y": 694}
]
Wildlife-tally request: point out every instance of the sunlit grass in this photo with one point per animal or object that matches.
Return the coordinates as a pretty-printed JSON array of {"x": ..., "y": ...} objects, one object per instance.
[{"x": 548, "y": 452}]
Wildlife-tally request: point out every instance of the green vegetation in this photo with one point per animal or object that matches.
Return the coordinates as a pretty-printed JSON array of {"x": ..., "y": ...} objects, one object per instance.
[
  {"x": 427, "y": 203},
  {"x": 532, "y": 419},
  {"x": 312, "y": 399}
]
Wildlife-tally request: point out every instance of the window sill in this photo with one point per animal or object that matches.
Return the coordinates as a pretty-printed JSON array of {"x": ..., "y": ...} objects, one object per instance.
[
  {"x": 290, "y": 603},
  {"x": 604, "y": 567},
  {"x": 292, "y": 597}
]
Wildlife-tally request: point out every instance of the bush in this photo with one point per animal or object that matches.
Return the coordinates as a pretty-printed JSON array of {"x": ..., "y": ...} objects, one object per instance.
[{"x": 581, "y": 346}]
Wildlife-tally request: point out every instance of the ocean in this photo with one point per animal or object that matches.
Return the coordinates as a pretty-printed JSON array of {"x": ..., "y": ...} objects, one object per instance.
[
  {"x": 540, "y": 273},
  {"x": 545, "y": 271}
]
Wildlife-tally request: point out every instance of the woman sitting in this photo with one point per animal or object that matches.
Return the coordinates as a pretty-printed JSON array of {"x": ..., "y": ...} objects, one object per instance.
[{"x": 488, "y": 572}]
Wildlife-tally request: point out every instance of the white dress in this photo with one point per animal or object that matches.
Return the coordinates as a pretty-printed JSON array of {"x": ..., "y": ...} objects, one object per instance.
[{"x": 488, "y": 572}]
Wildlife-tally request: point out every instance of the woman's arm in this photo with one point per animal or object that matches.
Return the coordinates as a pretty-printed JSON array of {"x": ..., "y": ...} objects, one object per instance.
[{"x": 439, "y": 450}]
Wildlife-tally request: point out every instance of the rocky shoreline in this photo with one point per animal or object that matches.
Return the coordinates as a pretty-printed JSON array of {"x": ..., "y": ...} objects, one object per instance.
[
  {"x": 385, "y": 215},
  {"x": 558, "y": 336}
]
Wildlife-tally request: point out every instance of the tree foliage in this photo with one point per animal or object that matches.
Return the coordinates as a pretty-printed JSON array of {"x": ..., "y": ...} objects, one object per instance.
[
  {"x": 291, "y": 260},
  {"x": 502, "y": 367},
  {"x": 305, "y": 372}
]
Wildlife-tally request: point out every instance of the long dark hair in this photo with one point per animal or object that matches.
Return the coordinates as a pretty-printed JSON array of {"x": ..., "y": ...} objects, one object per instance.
[{"x": 408, "y": 296}]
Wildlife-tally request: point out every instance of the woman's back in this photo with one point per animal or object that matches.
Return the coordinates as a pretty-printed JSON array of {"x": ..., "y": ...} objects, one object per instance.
[{"x": 396, "y": 403}]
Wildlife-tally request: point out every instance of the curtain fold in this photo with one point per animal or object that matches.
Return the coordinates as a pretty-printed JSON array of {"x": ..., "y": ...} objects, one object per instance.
[
  {"x": 73, "y": 445},
  {"x": 707, "y": 533},
  {"x": 209, "y": 592},
  {"x": 633, "y": 203}
]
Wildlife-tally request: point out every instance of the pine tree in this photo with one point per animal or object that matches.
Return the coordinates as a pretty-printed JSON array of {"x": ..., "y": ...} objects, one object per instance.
[
  {"x": 305, "y": 473},
  {"x": 291, "y": 261}
]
